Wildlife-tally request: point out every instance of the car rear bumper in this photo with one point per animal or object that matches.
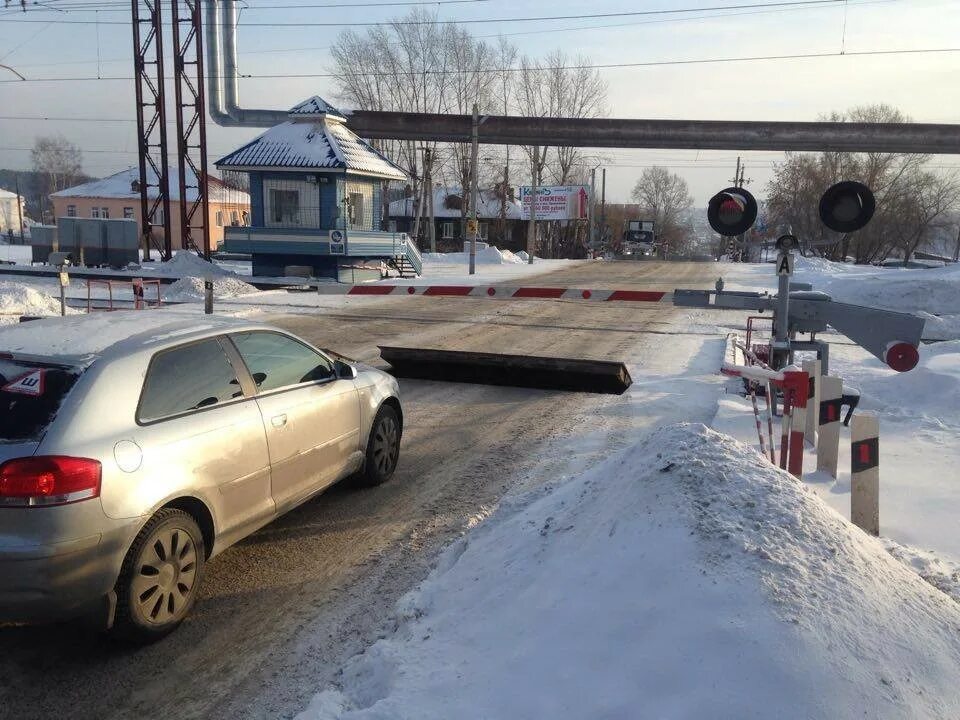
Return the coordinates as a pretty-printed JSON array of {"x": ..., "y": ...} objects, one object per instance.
[{"x": 60, "y": 580}]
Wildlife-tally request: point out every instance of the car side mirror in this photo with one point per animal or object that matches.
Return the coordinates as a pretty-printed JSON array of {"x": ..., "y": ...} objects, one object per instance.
[{"x": 344, "y": 371}]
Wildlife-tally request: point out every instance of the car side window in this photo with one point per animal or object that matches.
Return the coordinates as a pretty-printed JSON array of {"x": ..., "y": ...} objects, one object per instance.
[
  {"x": 277, "y": 361},
  {"x": 187, "y": 378}
]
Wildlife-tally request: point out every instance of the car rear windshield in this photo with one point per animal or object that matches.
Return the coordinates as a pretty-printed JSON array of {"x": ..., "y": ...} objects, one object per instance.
[{"x": 30, "y": 395}]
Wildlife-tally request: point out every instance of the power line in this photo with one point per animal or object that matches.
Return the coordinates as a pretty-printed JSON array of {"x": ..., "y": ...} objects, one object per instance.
[
  {"x": 474, "y": 21},
  {"x": 602, "y": 66}
]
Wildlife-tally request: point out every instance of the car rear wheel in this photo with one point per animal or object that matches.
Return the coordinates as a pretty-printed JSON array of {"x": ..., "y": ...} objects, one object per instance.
[
  {"x": 383, "y": 448},
  {"x": 160, "y": 577}
]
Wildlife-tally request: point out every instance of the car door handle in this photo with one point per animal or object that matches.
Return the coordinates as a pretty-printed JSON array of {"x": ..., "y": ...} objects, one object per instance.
[{"x": 278, "y": 420}]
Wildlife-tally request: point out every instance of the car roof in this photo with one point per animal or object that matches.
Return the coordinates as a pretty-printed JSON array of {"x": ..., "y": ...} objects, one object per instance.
[{"x": 81, "y": 339}]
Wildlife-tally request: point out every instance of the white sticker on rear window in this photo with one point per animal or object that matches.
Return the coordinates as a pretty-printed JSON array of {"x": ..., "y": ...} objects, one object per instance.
[{"x": 29, "y": 384}]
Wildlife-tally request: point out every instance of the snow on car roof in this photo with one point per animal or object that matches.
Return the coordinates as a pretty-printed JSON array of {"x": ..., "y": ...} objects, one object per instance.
[{"x": 80, "y": 339}]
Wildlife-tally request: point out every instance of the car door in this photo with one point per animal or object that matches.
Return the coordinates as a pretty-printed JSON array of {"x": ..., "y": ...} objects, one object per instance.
[
  {"x": 201, "y": 434},
  {"x": 311, "y": 418}
]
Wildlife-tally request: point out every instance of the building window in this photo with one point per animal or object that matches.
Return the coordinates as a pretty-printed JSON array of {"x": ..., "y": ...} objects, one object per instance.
[
  {"x": 234, "y": 218},
  {"x": 291, "y": 203},
  {"x": 246, "y": 218},
  {"x": 104, "y": 213},
  {"x": 484, "y": 227},
  {"x": 95, "y": 212},
  {"x": 355, "y": 210},
  {"x": 71, "y": 210},
  {"x": 448, "y": 230},
  {"x": 128, "y": 213},
  {"x": 285, "y": 207},
  {"x": 219, "y": 218}
]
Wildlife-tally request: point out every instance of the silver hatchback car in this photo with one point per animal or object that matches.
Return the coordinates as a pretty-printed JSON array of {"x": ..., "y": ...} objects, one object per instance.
[{"x": 136, "y": 446}]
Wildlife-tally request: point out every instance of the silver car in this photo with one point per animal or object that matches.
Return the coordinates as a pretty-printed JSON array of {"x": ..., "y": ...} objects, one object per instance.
[{"x": 135, "y": 446}]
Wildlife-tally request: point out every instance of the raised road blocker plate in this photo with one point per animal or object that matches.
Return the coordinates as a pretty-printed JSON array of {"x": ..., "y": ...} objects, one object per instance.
[{"x": 530, "y": 371}]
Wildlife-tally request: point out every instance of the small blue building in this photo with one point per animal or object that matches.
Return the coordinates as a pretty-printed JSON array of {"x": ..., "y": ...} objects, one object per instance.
[{"x": 316, "y": 193}]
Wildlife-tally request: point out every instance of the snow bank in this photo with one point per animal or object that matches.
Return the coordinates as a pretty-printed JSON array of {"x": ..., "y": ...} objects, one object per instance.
[
  {"x": 934, "y": 291},
  {"x": 487, "y": 256},
  {"x": 683, "y": 578},
  {"x": 188, "y": 264},
  {"x": 18, "y": 299},
  {"x": 189, "y": 289}
]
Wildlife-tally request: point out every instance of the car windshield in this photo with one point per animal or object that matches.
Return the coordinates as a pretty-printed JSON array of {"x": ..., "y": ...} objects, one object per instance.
[{"x": 30, "y": 395}]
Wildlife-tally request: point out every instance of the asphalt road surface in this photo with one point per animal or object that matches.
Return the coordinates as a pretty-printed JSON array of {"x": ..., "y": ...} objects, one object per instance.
[{"x": 281, "y": 611}]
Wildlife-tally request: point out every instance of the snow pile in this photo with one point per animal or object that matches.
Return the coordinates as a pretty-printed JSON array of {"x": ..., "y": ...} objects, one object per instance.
[
  {"x": 188, "y": 264},
  {"x": 933, "y": 291},
  {"x": 18, "y": 299},
  {"x": 683, "y": 578},
  {"x": 189, "y": 289},
  {"x": 940, "y": 573},
  {"x": 487, "y": 256}
]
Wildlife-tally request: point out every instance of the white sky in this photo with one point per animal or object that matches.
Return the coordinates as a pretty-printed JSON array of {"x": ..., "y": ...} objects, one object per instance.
[{"x": 923, "y": 85}]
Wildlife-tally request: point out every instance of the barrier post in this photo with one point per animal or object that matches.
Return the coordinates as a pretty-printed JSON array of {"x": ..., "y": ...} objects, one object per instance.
[
  {"x": 812, "y": 368},
  {"x": 865, "y": 473},
  {"x": 828, "y": 439},
  {"x": 796, "y": 384}
]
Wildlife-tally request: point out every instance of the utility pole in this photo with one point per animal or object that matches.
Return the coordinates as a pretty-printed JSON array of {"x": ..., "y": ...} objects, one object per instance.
[
  {"x": 956, "y": 251},
  {"x": 474, "y": 191},
  {"x": 603, "y": 202},
  {"x": 591, "y": 215},
  {"x": 532, "y": 225},
  {"x": 428, "y": 171},
  {"x": 20, "y": 208}
]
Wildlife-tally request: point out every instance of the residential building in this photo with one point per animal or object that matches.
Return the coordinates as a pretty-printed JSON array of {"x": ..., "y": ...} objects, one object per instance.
[
  {"x": 499, "y": 219},
  {"x": 118, "y": 196},
  {"x": 11, "y": 212}
]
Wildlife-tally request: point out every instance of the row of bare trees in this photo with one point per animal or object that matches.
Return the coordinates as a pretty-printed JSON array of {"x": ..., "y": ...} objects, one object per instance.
[
  {"x": 417, "y": 64},
  {"x": 913, "y": 200}
]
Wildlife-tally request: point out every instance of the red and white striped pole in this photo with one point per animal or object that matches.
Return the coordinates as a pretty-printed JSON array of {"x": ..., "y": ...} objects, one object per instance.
[
  {"x": 497, "y": 292},
  {"x": 796, "y": 383}
]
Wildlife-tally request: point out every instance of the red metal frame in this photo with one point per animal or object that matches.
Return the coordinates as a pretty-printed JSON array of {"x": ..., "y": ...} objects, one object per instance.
[
  {"x": 191, "y": 124},
  {"x": 138, "y": 287},
  {"x": 151, "y": 120}
]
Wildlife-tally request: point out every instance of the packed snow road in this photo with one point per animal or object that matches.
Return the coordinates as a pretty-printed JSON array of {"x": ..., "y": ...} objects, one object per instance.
[{"x": 282, "y": 611}]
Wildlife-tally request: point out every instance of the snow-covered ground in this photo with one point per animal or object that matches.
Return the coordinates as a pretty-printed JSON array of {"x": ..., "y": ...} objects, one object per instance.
[
  {"x": 682, "y": 578},
  {"x": 932, "y": 293}
]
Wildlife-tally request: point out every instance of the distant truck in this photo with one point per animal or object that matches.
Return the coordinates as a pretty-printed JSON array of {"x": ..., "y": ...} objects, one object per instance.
[{"x": 639, "y": 237}]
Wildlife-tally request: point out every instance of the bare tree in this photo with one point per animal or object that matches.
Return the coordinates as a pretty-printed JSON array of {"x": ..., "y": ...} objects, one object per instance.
[
  {"x": 58, "y": 164},
  {"x": 910, "y": 199},
  {"x": 664, "y": 196}
]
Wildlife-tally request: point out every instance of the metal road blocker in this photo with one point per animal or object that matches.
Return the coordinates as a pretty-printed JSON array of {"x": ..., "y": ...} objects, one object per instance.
[
  {"x": 547, "y": 373},
  {"x": 893, "y": 337}
]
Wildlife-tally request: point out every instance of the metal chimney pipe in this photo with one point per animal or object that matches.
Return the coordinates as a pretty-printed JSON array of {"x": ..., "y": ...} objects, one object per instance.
[{"x": 224, "y": 85}]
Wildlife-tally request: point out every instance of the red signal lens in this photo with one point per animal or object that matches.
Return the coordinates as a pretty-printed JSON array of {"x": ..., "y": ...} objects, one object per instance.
[
  {"x": 902, "y": 356},
  {"x": 48, "y": 480}
]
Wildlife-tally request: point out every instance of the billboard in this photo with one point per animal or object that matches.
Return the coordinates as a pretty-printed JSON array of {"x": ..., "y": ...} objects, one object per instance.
[{"x": 558, "y": 202}]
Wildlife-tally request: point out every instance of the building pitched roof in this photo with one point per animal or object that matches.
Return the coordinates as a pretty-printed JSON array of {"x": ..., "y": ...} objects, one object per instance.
[
  {"x": 121, "y": 186},
  {"x": 487, "y": 209},
  {"x": 314, "y": 138}
]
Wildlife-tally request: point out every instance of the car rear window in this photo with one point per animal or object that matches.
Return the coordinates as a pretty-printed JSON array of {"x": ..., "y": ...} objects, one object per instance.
[{"x": 30, "y": 395}]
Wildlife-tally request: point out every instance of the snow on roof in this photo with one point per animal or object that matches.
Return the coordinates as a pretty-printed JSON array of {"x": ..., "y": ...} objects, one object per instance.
[
  {"x": 489, "y": 206},
  {"x": 121, "y": 185},
  {"x": 316, "y": 106},
  {"x": 314, "y": 138},
  {"x": 82, "y": 338},
  {"x": 7, "y": 195}
]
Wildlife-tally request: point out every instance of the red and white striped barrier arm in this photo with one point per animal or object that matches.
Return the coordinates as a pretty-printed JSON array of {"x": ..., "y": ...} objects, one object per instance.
[{"x": 498, "y": 292}]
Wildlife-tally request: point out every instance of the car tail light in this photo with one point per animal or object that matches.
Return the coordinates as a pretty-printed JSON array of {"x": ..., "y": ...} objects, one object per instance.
[{"x": 48, "y": 480}]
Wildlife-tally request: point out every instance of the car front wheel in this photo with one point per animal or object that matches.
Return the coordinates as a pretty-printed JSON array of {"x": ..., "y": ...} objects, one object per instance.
[
  {"x": 383, "y": 448},
  {"x": 160, "y": 577}
]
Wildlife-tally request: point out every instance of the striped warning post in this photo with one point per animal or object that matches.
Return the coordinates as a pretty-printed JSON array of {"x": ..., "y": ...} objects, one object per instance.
[
  {"x": 865, "y": 473},
  {"x": 498, "y": 292}
]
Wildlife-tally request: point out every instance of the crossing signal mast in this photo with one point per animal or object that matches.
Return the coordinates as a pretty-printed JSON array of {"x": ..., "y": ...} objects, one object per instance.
[
  {"x": 191, "y": 140},
  {"x": 797, "y": 308}
]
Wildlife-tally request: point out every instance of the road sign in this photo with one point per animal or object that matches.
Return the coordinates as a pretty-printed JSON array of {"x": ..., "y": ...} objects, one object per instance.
[
  {"x": 785, "y": 264},
  {"x": 471, "y": 227},
  {"x": 558, "y": 202}
]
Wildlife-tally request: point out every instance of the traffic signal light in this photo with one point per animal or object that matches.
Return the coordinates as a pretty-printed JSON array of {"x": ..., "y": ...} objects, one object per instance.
[
  {"x": 847, "y": 206},
  {"x": 732, "y": 211}
]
